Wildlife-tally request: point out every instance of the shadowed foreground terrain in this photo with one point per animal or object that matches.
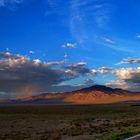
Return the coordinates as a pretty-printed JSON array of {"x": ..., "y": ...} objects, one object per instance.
[{"x": 69, "y": 122}]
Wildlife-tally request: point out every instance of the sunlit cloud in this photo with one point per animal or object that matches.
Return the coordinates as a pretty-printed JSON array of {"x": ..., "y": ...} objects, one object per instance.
[
  {"x": 79, "y": 64},
  {"x": 59, "y": 63},
  {"x": 128, "y": 78},
  {"x": 70, "y": 45},
  {"x": 128, "y": 73},
  {"x": 105, "y": 70},
  {"x": 31, "y": 52},
  {"x": 93, "y": 71}
]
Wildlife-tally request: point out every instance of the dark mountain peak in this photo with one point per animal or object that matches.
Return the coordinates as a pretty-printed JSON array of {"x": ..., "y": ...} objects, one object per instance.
[{"x": 100, "y": 88}]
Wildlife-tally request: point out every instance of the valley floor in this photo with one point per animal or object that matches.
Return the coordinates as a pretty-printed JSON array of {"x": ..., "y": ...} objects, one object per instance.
[{"x": 71, "y": 122}]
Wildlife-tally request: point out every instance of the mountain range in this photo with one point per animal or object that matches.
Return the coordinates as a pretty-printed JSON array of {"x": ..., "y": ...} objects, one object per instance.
[{"x": 96, "y": 94}]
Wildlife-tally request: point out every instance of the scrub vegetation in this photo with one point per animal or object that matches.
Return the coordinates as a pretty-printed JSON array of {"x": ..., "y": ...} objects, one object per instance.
[{"x": 71, "y": 122}]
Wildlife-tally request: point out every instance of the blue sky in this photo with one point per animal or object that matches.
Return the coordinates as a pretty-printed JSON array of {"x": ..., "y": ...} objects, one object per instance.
[{"x": 102, "y": 34}]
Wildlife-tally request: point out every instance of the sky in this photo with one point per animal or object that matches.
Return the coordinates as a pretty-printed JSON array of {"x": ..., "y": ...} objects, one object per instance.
[{"x": 65, "y": 45}]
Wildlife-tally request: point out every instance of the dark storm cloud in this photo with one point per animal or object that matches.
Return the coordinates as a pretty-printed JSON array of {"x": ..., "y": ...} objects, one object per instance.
[
  {"x": 19, "y": 74},
  {"x": 80, "y": 69}
]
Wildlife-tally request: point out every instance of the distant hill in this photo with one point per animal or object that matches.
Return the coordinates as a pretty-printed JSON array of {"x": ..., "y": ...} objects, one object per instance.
[{"x": 96, "y": 94}]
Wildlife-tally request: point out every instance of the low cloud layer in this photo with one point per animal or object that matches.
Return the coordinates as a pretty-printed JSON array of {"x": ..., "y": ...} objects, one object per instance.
[{"x": 20, "y": 76}]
